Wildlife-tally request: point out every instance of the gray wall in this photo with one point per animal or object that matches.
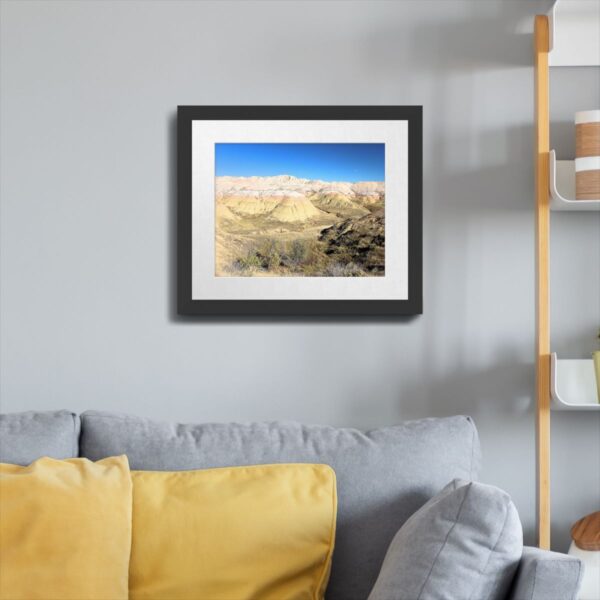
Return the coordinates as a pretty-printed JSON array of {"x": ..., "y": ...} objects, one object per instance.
[{"x": 89, "y": 91}]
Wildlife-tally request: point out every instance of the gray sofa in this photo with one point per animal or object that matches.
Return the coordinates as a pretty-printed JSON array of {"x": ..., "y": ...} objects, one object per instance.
[{"x": 383, "y": 476}]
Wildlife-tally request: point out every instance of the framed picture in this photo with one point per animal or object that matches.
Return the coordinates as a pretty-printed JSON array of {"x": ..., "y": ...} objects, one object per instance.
[{"x": 299, "y": 210}]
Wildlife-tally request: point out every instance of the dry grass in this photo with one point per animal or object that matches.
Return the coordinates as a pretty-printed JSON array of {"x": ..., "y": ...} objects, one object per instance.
[{"x": 300, "y": 258}]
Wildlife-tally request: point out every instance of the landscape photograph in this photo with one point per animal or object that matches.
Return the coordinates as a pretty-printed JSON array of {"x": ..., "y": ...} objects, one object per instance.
[{"x": 299, "y": 210}]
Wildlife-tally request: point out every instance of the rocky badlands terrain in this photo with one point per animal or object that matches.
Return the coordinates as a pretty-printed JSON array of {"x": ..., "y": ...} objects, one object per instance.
[{"x": 285, "y": 226}]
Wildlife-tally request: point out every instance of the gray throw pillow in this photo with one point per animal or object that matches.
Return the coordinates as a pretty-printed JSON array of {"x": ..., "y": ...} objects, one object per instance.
[
  {"x": 27, "y": 436},
  {"x": 464, "y": 544}
]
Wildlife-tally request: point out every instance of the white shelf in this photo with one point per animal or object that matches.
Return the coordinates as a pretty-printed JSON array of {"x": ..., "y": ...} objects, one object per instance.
[
  {"x": 574, "y": 33},
  {"x": 573, "y": 384},
  {"x": 562, "y": 187}
]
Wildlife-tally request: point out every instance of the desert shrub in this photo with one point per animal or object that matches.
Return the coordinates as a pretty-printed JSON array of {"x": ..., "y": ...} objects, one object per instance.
[
  {"x": 270, "y": 254},
  {"x": 343, "y": 256},
  {"x": 305, "y": 257},
  {"x": 272, "y": 260},
  {"x": 354, "y": 270},
  {"x": 312, "y": 271},
  {"x": 267, "y": 247},
  {"x": 297, "y": 252},
  {"x": 336, "y": 269},
  {"x": 266, "y": 256},
  {"x": 300, "y": 257},
  {"x": 234, "y": 268},
  {"x": 249, "y": 262}
]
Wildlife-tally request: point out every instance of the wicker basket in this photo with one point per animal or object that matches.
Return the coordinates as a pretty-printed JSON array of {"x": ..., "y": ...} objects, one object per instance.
[{"x": 587, "y": 155}]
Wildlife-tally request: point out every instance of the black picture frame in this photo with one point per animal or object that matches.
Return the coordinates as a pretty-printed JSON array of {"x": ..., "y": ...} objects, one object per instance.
[{"x": 186, "y": 305}]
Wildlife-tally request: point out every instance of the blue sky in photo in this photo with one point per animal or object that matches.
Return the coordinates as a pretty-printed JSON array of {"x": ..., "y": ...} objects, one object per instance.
[{"x": 328, "y": 162}]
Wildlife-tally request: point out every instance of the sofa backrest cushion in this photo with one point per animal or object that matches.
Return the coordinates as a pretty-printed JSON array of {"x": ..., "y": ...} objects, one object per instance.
[
  {"x": 383, "y": 476},
  {"x": 27, "y": 436}
]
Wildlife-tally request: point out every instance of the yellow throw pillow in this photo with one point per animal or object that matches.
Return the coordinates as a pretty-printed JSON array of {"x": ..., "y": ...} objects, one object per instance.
[
  {"x": 65, "y": 529},
  {"x": 240, "y": 533}
]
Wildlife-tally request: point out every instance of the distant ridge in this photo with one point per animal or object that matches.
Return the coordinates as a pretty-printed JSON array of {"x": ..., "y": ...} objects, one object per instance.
[
  {"x": 289, "y": 182},
  {"x": 287, "y": 198}
]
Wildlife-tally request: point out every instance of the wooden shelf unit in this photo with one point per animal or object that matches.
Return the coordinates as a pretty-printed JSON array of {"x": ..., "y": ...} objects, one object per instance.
[{"x": 568, "y": 36}]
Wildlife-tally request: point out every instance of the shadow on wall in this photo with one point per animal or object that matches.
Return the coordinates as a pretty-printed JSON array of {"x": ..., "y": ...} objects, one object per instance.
[
  {"x": 171, "y": 218},
  {"x": 455, "y": 389},
  {"x": 469, "y": 179},
  {"x": 472, "y": 392},
  {"x": 492, "y": 35}
]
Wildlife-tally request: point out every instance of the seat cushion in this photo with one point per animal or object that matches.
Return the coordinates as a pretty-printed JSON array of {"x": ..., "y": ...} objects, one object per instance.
[
  {"x": 383, "y": 476},
  {"x": 233, "y": 533},
  {"x": 27, "y": 436},
  {"x": 65, "y": 530},
  {"x": 464, "y": 544}
]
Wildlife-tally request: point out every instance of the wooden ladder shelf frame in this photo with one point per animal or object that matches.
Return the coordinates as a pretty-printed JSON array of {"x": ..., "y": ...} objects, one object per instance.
[
  {"x": 567, "y": 37},
  {"x": 542, "y": 244}
]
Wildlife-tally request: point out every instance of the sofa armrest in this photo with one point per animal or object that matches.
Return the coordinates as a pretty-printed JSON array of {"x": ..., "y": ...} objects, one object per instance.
[{"x": 544, "y": 575}]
